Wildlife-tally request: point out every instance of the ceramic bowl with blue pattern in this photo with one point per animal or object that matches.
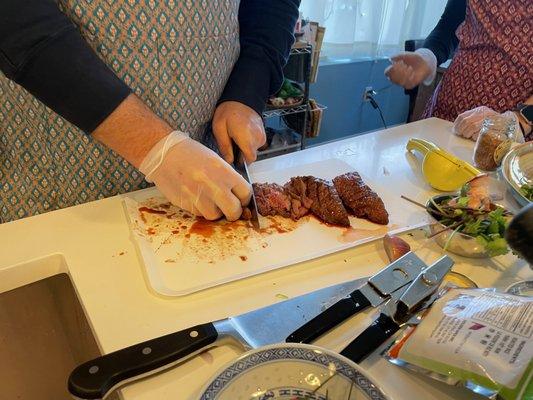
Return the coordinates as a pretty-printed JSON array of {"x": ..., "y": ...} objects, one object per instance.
[{"x": 292, "y": 372}]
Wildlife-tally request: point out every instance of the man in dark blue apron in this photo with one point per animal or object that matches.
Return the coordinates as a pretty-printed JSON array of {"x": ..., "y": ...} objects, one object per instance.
[{"x": 93, "y": 92}]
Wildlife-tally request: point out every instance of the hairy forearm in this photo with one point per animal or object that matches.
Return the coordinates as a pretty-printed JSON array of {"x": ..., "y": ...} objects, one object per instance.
[{"x": 131, "y": 130}]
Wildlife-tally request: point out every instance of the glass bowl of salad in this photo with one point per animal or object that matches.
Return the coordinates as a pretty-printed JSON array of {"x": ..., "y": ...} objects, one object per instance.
[{"x": 468, "y": 223}]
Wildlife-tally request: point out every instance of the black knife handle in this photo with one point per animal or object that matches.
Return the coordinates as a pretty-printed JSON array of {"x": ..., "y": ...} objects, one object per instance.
[
  {"x": 95, "y": 379},
  {"x": 329, "y": 318},
  {"x": 371, "y": 338}
]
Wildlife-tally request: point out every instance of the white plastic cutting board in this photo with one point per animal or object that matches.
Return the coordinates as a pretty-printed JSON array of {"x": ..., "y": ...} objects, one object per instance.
[{"x": 180, "y": 260}]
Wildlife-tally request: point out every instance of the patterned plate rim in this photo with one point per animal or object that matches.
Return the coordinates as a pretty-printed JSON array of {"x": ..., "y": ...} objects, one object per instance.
[{"x": 294, "y": 351}]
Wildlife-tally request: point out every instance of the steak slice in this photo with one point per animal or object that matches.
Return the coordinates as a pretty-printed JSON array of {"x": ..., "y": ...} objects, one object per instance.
[
  {"x": 296, "y": 189},
  {"x": 272, "y": 200},
  {"x": 318, "y": 195},
  {"x": 360, "y": 199}
]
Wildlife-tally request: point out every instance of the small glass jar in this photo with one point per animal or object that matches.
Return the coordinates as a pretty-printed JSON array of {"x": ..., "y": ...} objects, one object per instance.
[{"x": 494, "y": 141}]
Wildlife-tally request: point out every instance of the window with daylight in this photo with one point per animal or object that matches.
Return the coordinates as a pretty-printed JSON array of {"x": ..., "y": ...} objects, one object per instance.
[{"x": 358, "y": 29}]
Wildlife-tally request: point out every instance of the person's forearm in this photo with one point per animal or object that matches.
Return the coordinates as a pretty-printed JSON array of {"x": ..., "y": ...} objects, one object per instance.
[
  {"x": 266, "y": 36},
  {"x": 131, "y": 130},
  {"x": 42, "y": 50},
  {"x": 442, "y": 40}
]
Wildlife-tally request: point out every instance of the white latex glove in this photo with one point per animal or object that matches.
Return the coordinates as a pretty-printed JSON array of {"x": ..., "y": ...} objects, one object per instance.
[
  {"x": 410, "y": 69},
  {"x": 196, "y": 179},
  {"x": 469, "y": 123}
]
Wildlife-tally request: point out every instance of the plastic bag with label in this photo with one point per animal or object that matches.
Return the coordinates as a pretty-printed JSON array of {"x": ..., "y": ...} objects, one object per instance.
[{"x": 474, "y": 338}]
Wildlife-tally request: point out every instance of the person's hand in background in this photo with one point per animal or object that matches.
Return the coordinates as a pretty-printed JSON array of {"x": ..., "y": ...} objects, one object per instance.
[
  {"x": 410, "y": 69},
  {"x": 195, "y": 178},
  {"x": 469, "y": 123},
  {"x": 236, "y": 122}
]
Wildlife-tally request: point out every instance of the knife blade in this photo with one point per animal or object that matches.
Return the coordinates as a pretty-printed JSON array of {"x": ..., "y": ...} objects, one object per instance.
[
  {"x": 376, "y": 291},
  {"x": 420, "y": 294},
  {"x": 97, "y": 378},
  {"x": 239, "y": 163}
]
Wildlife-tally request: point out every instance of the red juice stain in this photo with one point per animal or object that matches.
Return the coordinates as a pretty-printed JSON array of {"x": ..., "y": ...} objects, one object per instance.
[
  {"x": 150, "y": 231},
  {"x": 276, "y": 226},
  {"x": 151, "y": 210},
  {"x": 203, "y": 227}
]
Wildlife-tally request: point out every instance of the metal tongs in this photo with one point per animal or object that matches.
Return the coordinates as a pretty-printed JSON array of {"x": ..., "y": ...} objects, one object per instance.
[{"x": 418, "y": 296}]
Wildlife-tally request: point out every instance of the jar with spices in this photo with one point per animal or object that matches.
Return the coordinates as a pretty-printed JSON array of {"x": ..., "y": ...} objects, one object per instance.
[{"x": 495, "y": 138}]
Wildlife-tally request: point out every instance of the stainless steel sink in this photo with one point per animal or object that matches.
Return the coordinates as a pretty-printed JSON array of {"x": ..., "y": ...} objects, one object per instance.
[{"x": 43, "y": 335}]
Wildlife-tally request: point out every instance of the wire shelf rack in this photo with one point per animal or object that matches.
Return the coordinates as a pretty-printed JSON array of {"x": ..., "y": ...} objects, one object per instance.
[
  {"x": 291, "y": 110},
  {"x": 301, "y": 50}
]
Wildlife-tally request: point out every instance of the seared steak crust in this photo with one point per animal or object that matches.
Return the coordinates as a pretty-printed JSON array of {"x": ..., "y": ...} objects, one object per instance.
[
  {"x": 305, "y": 194},
  {"x": 360, "y": 199},
  {"x": 325, "y": 202}
]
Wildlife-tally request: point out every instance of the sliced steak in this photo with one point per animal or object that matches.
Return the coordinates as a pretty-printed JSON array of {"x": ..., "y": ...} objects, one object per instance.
[
  {"x": 360, "y": 199},
  {"x": 271, "y": 199},
  {"x": 318, "y": 195},
  {"x": 296, "y": 189}
]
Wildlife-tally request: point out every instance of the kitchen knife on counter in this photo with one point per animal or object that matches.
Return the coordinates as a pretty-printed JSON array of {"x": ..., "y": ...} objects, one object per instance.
[
  {"x": 419, "y": 295},
  {"x": 97, "y": 378},
  {"x": 239, "y": 163},
  {"x": 377, "y": 290}
]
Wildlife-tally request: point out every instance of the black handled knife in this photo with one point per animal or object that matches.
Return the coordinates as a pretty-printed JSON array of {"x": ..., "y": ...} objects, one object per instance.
[
  {"x": 373, "y": 293},
  {"x": 420, "y": 294}
]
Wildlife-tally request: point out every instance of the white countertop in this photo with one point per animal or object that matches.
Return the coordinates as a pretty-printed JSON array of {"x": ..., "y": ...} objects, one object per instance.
[{"x": 122, "y": 310}]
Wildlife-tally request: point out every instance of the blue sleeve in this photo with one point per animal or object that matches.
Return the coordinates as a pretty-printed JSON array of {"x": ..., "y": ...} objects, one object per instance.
[
  {"x": 41, "y": 50},
  {"x": 266, "y": 37},
  {"x": 442, "y": 41}
]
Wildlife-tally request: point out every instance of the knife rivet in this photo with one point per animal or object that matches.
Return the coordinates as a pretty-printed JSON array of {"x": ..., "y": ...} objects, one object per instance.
[
  {"x": 193, "y": 334},
  {"x": 430, "y": 278},
  {"x": 93, "y": 370},
  {"x": 146, "y": 351}
]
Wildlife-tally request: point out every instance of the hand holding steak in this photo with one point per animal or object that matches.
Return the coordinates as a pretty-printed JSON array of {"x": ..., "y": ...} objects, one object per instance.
[{"x": 304, "y": 194}]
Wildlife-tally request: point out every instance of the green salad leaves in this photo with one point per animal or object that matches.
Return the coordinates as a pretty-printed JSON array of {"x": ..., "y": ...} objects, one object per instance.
[
  {"x": 527, "y": 191},
  {"x": 486, "y": 223}
]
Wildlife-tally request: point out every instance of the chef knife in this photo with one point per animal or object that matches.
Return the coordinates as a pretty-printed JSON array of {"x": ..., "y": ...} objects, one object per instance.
[
  {"x": 239, "y": 163},
  {"x": 97, "y": 378},
  {"x": 420, "y": 294},
  {"x": 372, "y": 293}
]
